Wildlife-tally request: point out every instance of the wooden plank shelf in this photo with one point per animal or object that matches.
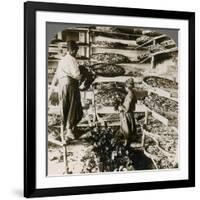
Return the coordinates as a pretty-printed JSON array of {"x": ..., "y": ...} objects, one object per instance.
[
  {"x": 120, "y": 48},
  {"x": 162, "y": 92},
  {"x": 101, "y": 79},
  {"x": 166, "y": 51},
  {"x": 114, "y": 34},
  {"x": 160, "y": 117},
  {"x": 152, "y": 40}
]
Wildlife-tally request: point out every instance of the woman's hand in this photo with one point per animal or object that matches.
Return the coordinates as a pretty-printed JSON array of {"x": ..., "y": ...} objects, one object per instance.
[
  {"x": 149, "y": 92},
  {"x": 120, "y": 108}
]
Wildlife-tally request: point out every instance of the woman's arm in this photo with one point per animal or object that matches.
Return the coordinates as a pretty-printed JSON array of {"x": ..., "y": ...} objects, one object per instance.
[
  {"x": 69, "y": 67},
  {"x": 74, "y": 70}
]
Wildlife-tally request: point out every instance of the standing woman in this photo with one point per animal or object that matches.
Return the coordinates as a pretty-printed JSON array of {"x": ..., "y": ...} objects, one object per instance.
[
  {"x": 127, "y": 119},
  {"x": 68, "y": 76}
]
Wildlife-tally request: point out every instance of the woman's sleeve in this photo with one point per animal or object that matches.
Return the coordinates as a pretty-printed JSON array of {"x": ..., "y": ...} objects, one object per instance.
[
  {"x": 141, "y": 93},
  {"x": 70, "y": 67}
]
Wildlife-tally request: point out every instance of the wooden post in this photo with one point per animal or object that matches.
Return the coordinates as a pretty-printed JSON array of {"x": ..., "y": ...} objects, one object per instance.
[
  {"x": 87, "y": 41},
  {"x": 143, "y": 137},
  {"x": 152, "y": 62},
  {"x": 145, "y": 122},
  {"x": 64, "y": 149},
  {"x": 59, "y": 35},
  {"x": 153, "y": 58},
  {"x": 146, "y": 117},
  {"x": 90, "y": 43},
  {"x": 66, "y": 169}
]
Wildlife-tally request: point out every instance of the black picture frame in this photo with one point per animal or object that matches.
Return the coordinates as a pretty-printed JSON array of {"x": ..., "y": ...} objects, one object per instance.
[{"x": 30, "y": 9}]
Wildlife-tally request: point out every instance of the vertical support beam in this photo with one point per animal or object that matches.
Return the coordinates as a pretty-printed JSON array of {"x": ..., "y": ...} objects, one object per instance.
[
  {"x": 87, "y": 43},
  {"x": 153, "y": 62},
  {"x": 145, "y": 122},
  {"x": 153, "y": 58},
  {"x": 64, "y": 142},
  {"x": 143, "y": 137},
  {"x": 59, "y": 35},
  {"x": 90, "y": 40},
  {"x": 66, "y": 169},
  {"x": 146, "y": 117}
]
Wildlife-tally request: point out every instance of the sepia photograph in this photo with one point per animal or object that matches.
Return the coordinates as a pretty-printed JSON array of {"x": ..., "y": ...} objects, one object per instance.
[
  {"x": 109, "y": 99},
  {"x": 112, "y": 99}
]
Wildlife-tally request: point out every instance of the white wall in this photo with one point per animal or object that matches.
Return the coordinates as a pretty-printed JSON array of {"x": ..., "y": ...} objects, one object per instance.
[{"x": 11, "y": 100}]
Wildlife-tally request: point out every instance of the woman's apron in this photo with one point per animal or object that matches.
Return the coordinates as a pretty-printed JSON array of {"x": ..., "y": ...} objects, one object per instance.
[{"x": 70, "y": 102}]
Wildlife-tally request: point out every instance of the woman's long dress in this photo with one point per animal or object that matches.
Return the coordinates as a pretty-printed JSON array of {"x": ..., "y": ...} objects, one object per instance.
[{"x": 128, "y": 125}]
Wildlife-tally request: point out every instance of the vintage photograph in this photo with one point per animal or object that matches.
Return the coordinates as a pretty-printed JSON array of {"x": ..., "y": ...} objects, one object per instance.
[{"x": 112, "y": 99}]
